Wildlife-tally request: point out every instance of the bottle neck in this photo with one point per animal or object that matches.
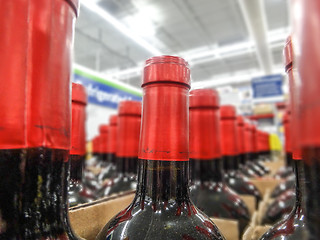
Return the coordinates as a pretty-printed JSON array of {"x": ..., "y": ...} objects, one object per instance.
[
  {"x": 298, "y": 167},
  {"x": 124, "y": 165},
  {"x": 230, "y": 163},
  {"x": 311, "y": 157},
  {"x": 163, "y": 181},
  {"x": 76, "y": 167},
  {"x": 207, "y": 170}
]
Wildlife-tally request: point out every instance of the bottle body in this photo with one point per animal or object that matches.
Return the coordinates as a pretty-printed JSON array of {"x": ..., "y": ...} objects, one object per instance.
[
  {"x": 173, "y": 214},
  {"x": 32, "y": 193}
]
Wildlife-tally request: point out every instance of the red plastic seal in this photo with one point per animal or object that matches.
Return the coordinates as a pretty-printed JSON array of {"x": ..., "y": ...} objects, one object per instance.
[
  {"x": 104, "y": 138},
  {"x": 165, "y": 128},
  {"x": 248, "y": 148},
  {"x": 204, "y": 137},
  {"x": 113, "y": 132},
  {"x": 36, "y": 67},
  {"x": 129, "y": 128},
  {"x": 241, "y": 134},
  {"x": 78, "y": 134},
  {"x": 228, "y": 126}
]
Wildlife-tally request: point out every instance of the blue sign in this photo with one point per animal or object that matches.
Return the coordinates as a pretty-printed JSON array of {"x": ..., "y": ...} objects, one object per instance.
[
  {"x": 103, "y": 92},
  {"x": 267, "y": 86}
]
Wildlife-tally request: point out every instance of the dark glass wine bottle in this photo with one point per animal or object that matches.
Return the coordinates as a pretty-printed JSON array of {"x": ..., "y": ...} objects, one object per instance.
[
  {"x": 230, "y": 154},
  {"x": 127, "y": 148},
  {"x": 246, "y": 169},
  {"x": 209, "y": 191},
  {"x": 35, "y": 117},
  {"x": 109, "y": 170},
  {"x": 254, "y": 163},
  {"x": 78, "y": 192},
  {"x": 162, "y": 208},
  {"x": 294, "y": 226},
  {"x": 243, "y": 146}
]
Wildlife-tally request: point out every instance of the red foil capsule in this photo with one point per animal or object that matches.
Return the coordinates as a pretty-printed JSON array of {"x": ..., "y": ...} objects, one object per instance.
[
  {"x": 241, "y": 134},
  {"x": 248, "y": 148},
  {"x": 261, "y": 141},
  {"x": 113, "y": 132},
  {"x": 129, "y": 128},
  {"x": 165, "y": 128},
  {"x": 294, "y": 86},
  {"x": 306, "y": 43},
  {"x": 104, "y": 138},
  {"x": 78, "y": 135},
  {"x": 204, "y": 140},
  {"x": 95, "y": 146},
  {"x": 36, "y": 66},
  {"x": 254, "y": 138},
  {"x": 228, "y": 126}
]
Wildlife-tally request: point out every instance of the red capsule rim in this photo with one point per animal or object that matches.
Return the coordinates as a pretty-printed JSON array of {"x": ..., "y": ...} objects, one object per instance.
[
  {"x": 240, "y": 120},
  {"x": 113, "y": 120},
  {"x": 130, "y": 107},
  {"x": 79, "y": 93},
  {"x": 104, "y": 128},
  {"x": 200, "y": 98},
  {"x": 166, "y": 59},
  {"x": 227, "y": 112}
]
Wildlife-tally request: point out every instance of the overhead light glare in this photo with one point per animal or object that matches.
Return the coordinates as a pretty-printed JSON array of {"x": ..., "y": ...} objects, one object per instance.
[{"x": 120, "y": 27}]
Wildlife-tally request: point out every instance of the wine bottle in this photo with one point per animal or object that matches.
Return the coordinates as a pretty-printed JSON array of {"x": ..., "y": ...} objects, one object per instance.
[
  {"x": 294, "y": 226},
  {"x": 78, "y": 192},
  {"x": 35, "y": 116},
  {"x": 162, "y": 208},
  {"x": 127, "y": 148},
  {"x": 209, "y": 192},
  {"x": 230, "y": 154}
]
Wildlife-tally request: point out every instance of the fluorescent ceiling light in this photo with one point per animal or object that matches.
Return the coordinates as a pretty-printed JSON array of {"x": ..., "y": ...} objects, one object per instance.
[
  {"x": 103, "y": 76},
  {"x": 119, "y": 26}
]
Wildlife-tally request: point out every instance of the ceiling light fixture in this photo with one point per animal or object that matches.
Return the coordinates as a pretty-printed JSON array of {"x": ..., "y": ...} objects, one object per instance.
[{"x": 119, "y": 26}]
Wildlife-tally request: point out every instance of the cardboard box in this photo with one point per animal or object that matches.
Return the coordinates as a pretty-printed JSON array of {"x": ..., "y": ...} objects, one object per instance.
[
  {"x": 265, "y": 183},
  {"x": 88, "y": 219}
]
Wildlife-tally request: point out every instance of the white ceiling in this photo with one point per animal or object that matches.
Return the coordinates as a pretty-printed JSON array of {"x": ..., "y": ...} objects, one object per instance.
[{"x": 219, "y": 38}]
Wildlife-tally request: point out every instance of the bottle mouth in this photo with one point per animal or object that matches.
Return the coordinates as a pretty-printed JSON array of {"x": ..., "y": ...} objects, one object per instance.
[
  {"x": 166, "y": 59},
  {"x": 204, "y": 98},
  {"x": 129, "y": 107},
  {"x": 166, "y": 69}
]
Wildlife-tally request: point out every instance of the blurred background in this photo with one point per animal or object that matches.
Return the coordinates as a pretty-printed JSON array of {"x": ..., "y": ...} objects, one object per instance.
[{"x": 234, "y": 46}]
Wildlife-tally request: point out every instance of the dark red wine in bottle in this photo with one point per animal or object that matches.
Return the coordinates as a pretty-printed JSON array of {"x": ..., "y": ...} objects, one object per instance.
[
  {"x": 35, "y": 117},
  {"x": 127, "y": 148},
  {"x": 209, "y": 192},
  {"x": 230, "y": 154},
  {"x": 162, "y": 208},
  {"x": 294, "y": 226},
  {"x": 78, "y": 192}
]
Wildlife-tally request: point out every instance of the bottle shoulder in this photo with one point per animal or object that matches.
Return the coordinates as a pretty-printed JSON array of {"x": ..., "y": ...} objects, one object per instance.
[{"x": 141, "y": 220}]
